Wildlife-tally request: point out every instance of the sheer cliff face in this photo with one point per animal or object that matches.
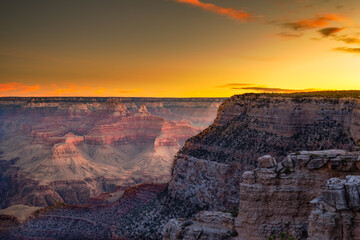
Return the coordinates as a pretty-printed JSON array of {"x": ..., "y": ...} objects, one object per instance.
[
  {"x": 277, "y": 197},
  {"x": 69, "y": 149},
  {"x": 260, "y": 124},
  {"x": 252, "y": 125}
]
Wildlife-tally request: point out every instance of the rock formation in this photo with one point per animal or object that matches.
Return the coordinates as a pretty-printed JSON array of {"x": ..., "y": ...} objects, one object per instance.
[
  {"x": 204, "y": 226},
  {"x": 70, "y": 149},
  {"x": 252, "y": 125},
  {"x": 275, "y": 198},
  {"x": 240, "y": 164},
  {"x": 337, "y": 211}
]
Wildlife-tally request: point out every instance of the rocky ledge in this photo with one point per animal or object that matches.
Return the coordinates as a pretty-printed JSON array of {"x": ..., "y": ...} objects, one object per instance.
[
  {"x": 205, "y": 225},
  {"x": 337, "y": 211},
  {"x": 277, "y": 198}
]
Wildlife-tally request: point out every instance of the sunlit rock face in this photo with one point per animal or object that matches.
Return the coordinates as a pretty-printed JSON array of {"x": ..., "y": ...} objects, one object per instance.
[{"x": 70, "y": 149}]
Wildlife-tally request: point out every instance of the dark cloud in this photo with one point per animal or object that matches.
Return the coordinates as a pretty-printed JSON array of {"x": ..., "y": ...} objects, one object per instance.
[
  {"x": 347, "y": 39},
  {"x": 275, "y": 90},
  {"x": 317, "y": 22},
  {"x": 326, "y": 32},
  {"x": 349, "y": 50},
  {"x": 286, "y": 35}
]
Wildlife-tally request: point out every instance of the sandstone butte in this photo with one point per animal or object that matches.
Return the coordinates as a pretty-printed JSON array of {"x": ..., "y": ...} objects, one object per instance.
[{"x": 271, "y": 166}]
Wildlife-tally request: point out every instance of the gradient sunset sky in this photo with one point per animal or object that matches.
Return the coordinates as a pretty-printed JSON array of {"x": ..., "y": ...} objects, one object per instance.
[{"x": 177, "y": 48}]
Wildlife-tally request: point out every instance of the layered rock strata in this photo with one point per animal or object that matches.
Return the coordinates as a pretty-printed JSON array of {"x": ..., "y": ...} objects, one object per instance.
[
  {"x": 70, "y": 149},
  {"x": 252, "y": 125},
  {"x": 276, "y": 197},
  {"x": 337, "y": 211}
]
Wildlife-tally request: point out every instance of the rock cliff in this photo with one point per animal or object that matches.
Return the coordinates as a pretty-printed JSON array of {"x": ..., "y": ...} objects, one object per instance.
[
  {"x": 252, "y": 125},
  {"x": 337, "y": 211},
  {"x": 276, "y": 197}
]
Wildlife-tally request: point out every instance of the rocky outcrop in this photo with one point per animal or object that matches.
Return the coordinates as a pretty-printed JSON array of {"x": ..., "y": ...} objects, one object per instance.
[
  {"x": 275, "y": 198},
  {"x": 206, "y": 183},
  {"x": 252, "y": 125},
  {"x": 337, "y": 211},
  {"x": 204, "y": 226}
]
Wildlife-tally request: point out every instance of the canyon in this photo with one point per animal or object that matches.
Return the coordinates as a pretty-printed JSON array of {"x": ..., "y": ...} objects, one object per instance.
[
  {"x": 271, "y": 166},
  {"x": 72, "y": 149}
]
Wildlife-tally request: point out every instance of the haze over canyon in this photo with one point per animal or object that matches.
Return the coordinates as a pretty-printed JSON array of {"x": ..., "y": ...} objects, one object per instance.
[{"x": 71, "y": 149}]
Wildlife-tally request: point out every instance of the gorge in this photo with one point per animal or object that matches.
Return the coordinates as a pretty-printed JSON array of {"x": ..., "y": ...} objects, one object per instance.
[{"x": 271, "y": 166}]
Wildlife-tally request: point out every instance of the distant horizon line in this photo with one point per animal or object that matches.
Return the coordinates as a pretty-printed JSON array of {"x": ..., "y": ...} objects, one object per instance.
[{"x": 285, "y": 93}]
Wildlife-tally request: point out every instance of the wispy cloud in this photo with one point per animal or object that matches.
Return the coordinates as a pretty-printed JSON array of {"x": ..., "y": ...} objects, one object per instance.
[
  {"x": 287, "y": 36},
  {"x": 317, "y": 22},
  {"x": 19, "y": 87},
  {"x": 230, "y": 12},
  {"x": 348, "y": 50},
  {"x": 348, "y": 39},
  {"x": 330, "y": 31},
  {"x": 249, "y": 87},
  {"x": 275, "y": 90}
]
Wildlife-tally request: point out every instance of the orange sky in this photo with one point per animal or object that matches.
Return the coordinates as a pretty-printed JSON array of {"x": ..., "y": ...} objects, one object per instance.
[{"x": 177, "y": 48}]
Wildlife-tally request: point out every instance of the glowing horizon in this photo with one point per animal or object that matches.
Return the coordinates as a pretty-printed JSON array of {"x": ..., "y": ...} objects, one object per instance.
[{"x": 177, "y": 48}]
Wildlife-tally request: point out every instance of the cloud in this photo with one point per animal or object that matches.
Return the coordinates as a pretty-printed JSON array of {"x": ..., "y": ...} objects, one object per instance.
[
  {"x": 287, "y": 36},
  {"x": 230, "y": 12},
  {"x": 275, "y": 90},
  {"x": 349, "y": 50},
  {"x": 4, "y": 87},
  {"x": 19, "y": 87},
  {"x": 347, "y": 39},
  {"x": 233, "y": 85},
  {"x": 317, "y": 22},
  {"x": 326, "y": 32}
]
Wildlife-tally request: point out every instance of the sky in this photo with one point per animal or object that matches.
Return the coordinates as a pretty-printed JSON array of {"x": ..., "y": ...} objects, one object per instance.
[{"x": 177, "y": 48}]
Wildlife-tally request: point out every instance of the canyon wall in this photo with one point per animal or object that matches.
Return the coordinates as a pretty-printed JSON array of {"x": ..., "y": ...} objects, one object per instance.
[
  {"x": 70, "y": 149},
  {"x": 276, "y": 198},
  {"x": 252, "y": 125}
]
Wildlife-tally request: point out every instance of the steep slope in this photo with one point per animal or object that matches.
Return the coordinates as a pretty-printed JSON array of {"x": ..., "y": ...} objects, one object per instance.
[
  {"x": 251, "y": 125},
  {"x": 274, "y": 124}
]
